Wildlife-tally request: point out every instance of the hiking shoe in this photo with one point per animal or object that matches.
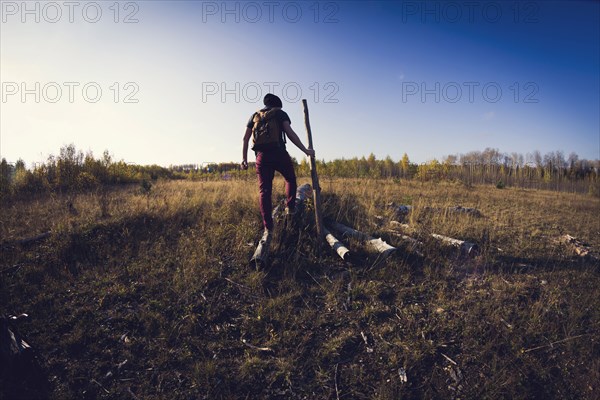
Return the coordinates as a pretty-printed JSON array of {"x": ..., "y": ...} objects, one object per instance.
[{"x": 266, "y": 237}]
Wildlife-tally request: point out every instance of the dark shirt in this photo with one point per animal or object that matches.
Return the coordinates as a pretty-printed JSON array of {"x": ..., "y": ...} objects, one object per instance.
[{"x": 281, "y": 117}]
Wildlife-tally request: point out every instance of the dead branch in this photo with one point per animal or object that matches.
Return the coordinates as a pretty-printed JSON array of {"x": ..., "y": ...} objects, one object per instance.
[
  {"x": 232, "y": 282},
  {"x": 557, "y": 342},
  {"x": 257, "y": 348},
  {"x": 449, "y": 359},
  {"x": 99, "y": 384}
]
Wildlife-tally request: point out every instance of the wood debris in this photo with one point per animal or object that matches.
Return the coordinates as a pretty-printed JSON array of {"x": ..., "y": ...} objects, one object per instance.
[{"x": 579, "y": 247}]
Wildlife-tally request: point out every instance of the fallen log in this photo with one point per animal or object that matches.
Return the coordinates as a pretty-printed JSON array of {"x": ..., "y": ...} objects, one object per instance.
[
  {"x": 467, "y": 248},
  {"x": 377, "y": 245},
  {"x": 302, "y": 194}
]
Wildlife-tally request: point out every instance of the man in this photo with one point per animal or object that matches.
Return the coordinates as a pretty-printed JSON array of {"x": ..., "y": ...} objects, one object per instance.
[{"x": 272, "y": 156}]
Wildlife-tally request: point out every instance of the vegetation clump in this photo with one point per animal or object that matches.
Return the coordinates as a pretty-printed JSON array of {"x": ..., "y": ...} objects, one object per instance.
[{"x": 152, "y": 296}]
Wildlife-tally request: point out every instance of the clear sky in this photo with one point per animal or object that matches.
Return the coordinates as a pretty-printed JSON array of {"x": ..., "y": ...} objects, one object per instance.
[{"x": 175, "y": 82}]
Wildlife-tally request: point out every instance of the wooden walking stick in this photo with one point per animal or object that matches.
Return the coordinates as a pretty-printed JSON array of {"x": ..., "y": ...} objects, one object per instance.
[{"x": 313, "y": 174}]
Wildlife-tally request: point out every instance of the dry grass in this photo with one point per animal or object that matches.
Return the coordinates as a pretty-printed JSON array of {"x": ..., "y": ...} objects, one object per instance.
[{"x": 161, "y": 280}]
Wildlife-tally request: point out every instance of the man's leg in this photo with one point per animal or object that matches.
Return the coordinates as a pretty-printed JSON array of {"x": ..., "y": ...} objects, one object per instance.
[
  {"x": 286, "y": 168},
  {"x": 265, "y": 173}
]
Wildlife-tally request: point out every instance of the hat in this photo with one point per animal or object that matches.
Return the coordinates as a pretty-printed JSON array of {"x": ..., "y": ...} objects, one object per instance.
[{"x": 271, "y": 100}]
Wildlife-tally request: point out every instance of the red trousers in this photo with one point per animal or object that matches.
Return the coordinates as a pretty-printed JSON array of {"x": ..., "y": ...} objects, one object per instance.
[{"x": 266, "y": 164}]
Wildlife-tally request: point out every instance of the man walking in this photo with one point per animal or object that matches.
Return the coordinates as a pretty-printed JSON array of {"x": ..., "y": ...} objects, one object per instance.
[{"x": 268, "y": 128}]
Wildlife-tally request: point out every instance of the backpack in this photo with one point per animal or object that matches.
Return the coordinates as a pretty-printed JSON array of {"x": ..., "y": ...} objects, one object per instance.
[{"x": 266, "y": 132}]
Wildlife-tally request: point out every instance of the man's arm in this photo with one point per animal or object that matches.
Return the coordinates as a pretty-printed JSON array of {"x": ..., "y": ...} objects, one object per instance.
[
  {"x": 287, "y": 128},
  {"x": 245, "y": 148}
]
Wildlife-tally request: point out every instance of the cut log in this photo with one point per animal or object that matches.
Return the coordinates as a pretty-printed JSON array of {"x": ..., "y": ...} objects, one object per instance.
[
  {"x": 302, "y": 194},
  {"x": 398, "y": 228},
  {"x": 466, "y": 248},
  {"x": 336, "y": 245},
  {"x": 377, "y": 245}
]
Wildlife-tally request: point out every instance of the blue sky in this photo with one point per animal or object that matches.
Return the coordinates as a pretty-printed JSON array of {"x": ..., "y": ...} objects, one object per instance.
[{"x": 426, "y": 78}]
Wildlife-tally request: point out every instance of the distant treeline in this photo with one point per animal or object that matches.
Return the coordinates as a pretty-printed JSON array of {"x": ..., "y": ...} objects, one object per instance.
[
  {"x": 552, "y": 171},
  {"x": 72, "y": 170}
]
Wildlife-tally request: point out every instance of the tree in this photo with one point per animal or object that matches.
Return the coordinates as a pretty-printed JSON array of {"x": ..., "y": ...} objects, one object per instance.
[
  {"x": 388, "y": 167},
  {"x": 5, "y": 178},
  {"x": 572, "y": 161},
  {"x": 405, "y": 165}
]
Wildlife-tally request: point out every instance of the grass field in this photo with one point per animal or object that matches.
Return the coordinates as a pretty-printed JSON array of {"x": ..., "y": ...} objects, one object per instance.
[{"x": 149, "y": 295}]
